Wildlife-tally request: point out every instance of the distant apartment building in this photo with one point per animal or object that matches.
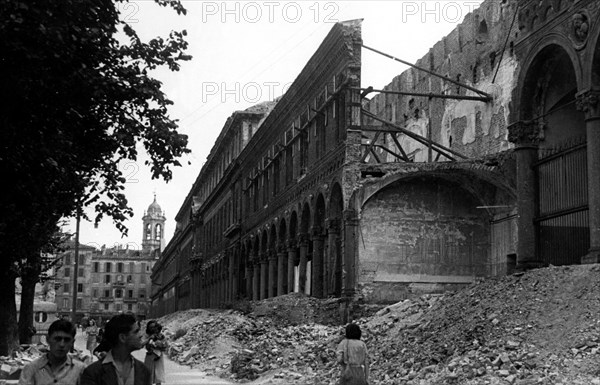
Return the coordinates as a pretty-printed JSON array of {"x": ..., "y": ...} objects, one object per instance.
[{"x": 111, "y": 280}]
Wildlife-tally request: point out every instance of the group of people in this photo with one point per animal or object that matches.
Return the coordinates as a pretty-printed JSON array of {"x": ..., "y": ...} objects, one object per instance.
[
  {"x": 122, "y": 336},
  {"x": 115, "y": 365}
]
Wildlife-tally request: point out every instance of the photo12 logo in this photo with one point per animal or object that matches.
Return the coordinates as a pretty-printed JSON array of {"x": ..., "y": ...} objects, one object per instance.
[
  {"x": 437, "y": 11},
  {"x": 269, "y": 11},
  {"x": 251, "y": 92}
]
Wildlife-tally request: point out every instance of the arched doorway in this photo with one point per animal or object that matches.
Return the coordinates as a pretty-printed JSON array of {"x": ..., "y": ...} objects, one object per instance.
[{"x": 549, "y": 100}]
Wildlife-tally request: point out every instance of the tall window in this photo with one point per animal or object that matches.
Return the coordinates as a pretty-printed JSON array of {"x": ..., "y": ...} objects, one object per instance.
[
  {"x": 107, "y": 278},
  {"x": 129, "y": 278},
  {"x": 66, "y": 288},
  {"x": 80, "y": 287},
  {"x": 65, "y": 303},
  {"x": 130, "y": 306},
  {"x": 107, "y": 267},
  {"x": 158, "y": 234},
  {"x": 67, "y": 271},
  {"x": 148, "y": 232},
  {"x": 82, "y": 259},
  {"x": 118, "y": 293},
  {"x": 106, "y": 306},
  {"x": 106, "y": 293},
  {"x": 81, "y": 272},
  {"x": 79, "y": 303},
  {"x": 67, "y": 259},
  {"x": 120, "y": 267},
  {"x": 95, "y": 293},
  {"x": 129, "y": 293},
  {"x": 96, "y": 267}
]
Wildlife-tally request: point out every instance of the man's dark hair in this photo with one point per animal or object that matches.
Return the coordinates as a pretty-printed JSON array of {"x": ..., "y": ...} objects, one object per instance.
[
  {"x": 353, "y": 332},
  {"x": 119, "y": 324},
  {"x": 62, "y": 325}
]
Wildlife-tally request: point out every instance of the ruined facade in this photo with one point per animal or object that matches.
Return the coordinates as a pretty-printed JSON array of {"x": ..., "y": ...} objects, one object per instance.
[{"x": 437, "y": 180}]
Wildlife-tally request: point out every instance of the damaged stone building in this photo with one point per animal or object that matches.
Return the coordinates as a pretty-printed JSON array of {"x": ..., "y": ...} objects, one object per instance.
[{"x": 481, "y": 158}]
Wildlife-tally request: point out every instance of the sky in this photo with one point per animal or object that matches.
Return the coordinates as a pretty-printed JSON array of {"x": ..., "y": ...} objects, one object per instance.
[{"x": 247, "y": 52}]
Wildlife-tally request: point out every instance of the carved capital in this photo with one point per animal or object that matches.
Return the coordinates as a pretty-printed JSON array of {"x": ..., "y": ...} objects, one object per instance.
[
  {"x": 350, "y": 217},
  {"x": 525, "y": 133},
  {"x": 587, "y": 102},
  {"x": 291, "y": 244},
  {"x": 303, "y": 239},
  {"x": 316, "y": 231},
  {"x": 333, "y": 225}
]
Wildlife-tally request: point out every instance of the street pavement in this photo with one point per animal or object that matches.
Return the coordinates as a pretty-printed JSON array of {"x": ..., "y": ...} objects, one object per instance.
[{"x": 175, "y": 374}]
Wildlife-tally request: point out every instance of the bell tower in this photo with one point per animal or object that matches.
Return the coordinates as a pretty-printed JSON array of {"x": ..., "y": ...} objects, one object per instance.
[{"x": 153, "y": 234}]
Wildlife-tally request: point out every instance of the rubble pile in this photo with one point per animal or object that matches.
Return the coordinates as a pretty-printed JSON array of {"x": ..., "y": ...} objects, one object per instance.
[
  {"x": 540, "y": 327},
  {"x": 207, "y": 343}
]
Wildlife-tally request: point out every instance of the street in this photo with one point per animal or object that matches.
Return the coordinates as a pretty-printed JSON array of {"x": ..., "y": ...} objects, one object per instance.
[{"x": 176, "y": 374}]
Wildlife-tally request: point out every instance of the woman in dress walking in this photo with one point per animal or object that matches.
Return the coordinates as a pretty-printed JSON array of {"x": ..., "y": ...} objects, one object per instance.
[
  {"x": 92, "y": 332},
  {"x": 353, "y": 357}
]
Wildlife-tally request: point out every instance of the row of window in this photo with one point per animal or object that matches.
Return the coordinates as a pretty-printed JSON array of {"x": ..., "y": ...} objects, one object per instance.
[
  {"x": 118, "y": 292},
  {"x": 108, "y": 266},
  {"x": 107, "y": 306}
]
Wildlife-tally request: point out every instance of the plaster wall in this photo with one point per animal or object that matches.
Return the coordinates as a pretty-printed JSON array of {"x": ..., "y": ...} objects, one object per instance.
[{"x": 421, "y": 235}]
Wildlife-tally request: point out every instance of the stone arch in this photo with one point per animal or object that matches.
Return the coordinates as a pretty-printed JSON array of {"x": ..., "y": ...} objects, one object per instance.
[
  {"x": 283, "y": 234},
  {"x": 293, "y": 229},
  {"x": 305, "y": 221},
  {"x": 594, "y": 72},
  {"x": 319, "y": 212},
  {"x": 548, "y": 95},
  {"x": 422, "y": 232}
]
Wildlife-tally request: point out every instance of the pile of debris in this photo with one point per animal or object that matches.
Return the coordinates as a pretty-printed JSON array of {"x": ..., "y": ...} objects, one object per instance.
[{"x": 541, "y": 327}]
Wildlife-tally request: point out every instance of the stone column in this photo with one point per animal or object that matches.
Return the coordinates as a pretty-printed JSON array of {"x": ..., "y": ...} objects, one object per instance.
[
  {"x": 350, "y": 252},
  {"x": 256, "y": 281},
  {"x": 281, "y": 270},
  {"x": 588, "y": 102},
  {"x": 303, "y": 250},
  {"x": 272, "y": 266},
  {"x": 235, "y": 275},
  {"x": 317, "y": 263},
  {"x": 526, "y": 136},
  {"x": 264, "y": 276},
  {"x": 248, "y": 280},
  {"x": 333, "y": 269},
  {"x": 291, "y": 262}
]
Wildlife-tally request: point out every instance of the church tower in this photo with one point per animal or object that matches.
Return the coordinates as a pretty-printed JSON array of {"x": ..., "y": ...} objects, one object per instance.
[{"x": 154, "y": 228}]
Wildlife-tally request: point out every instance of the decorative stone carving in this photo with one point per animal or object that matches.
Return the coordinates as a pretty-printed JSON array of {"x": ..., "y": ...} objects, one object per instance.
[
  {"x": 580, "y": 26},
  {"x": 587, "y": 102},
  {"x": 525, "y": 132}
]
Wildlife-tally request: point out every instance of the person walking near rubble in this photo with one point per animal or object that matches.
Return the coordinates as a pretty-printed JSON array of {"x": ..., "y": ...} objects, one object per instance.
[
  {"x": 122, "y": 336},
  {"x": 353, "y": 357},
  {"x": 55, "y": 367},
  {"x": 156, "y": 345},
  {"x": 92, "y": 332}
]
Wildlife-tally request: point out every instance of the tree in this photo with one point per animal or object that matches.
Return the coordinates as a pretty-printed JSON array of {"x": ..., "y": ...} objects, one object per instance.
[
  {"x": 77, "y": 101},
  {"x": 33, "y": 270}
]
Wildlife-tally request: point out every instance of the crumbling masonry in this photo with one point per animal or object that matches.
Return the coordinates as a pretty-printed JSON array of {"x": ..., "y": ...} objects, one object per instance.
[{"x": 481, "y": 159}]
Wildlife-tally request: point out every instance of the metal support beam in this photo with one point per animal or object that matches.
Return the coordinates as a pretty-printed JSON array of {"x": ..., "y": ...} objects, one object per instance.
[
  {"x": 368, "y": 90},
  {"x": 436, "y": 146},
  {"x": 431, "y": 73}
]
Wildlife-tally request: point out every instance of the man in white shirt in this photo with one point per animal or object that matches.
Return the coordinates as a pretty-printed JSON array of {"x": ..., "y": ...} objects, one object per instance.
[{"x": 55, "y": 367}]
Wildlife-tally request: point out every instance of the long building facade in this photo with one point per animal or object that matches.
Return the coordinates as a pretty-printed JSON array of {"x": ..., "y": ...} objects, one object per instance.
[{"x": 481, "y": 159}]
